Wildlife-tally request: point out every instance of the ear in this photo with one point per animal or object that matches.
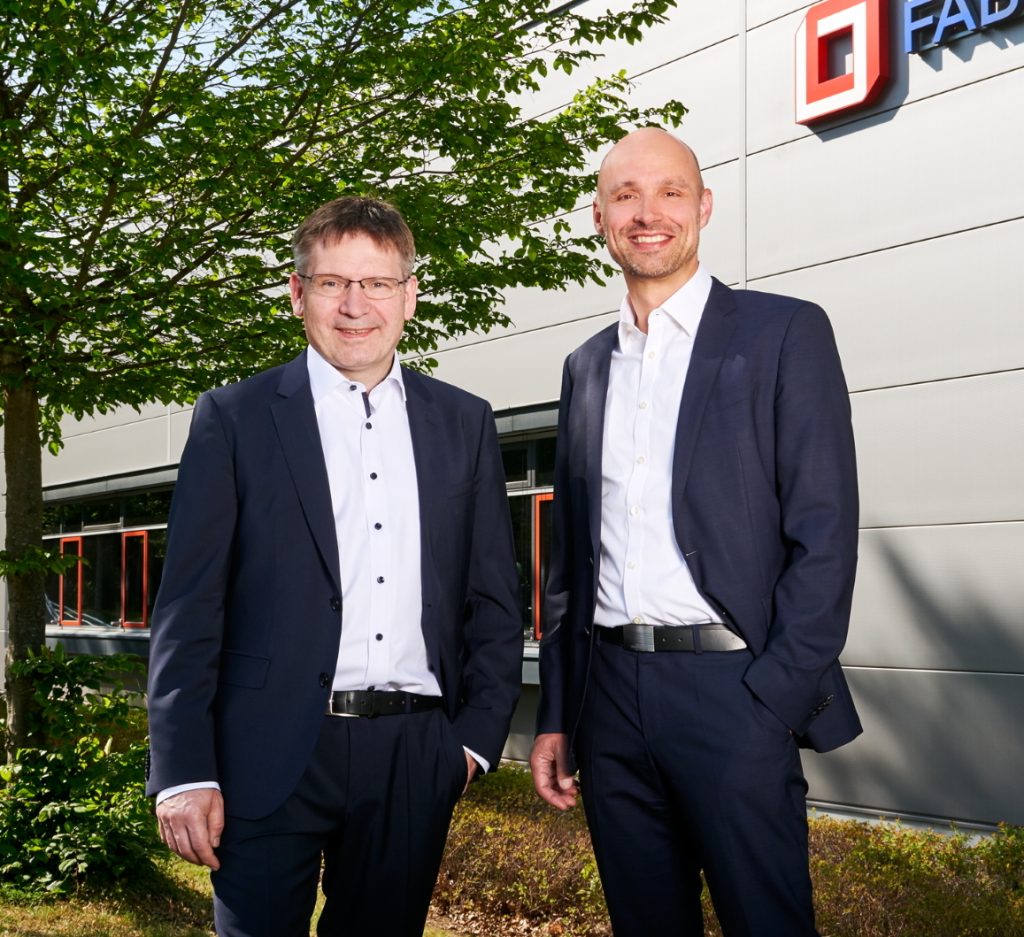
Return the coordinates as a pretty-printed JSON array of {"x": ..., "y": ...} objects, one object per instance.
[
  {"x": 295, "y": 286},
  {"x": 410, "y": 287},
  {"x": 707, "y": 203},
  {"x": 598, "y": 225}
]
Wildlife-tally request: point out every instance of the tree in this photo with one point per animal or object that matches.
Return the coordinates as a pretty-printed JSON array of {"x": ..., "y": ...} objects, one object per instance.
[{"x": 155, "y": 157}]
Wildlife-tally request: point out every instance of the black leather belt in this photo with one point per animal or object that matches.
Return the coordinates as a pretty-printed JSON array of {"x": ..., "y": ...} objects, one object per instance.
[
  {"x": 696, "y": 638},
  {"x": 379, "y": 703}
]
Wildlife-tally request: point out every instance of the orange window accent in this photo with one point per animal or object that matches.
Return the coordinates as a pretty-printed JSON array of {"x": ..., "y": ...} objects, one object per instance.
[
  {"x": 136, "y": 591},
  {"x": 71, "y": 546}
]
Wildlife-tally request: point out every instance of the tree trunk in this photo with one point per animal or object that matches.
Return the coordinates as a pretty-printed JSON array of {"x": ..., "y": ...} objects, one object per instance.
[{"x": 26, "y": 606}]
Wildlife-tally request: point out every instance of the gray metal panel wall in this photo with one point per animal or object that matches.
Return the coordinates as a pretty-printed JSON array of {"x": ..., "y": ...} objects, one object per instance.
[{"x": 905, "y": 221}]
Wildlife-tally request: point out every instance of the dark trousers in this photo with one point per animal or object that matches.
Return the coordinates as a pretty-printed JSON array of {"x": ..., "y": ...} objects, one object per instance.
[
  {"x": 374, "y": 803},
  {"x": 682, "y": 769}
]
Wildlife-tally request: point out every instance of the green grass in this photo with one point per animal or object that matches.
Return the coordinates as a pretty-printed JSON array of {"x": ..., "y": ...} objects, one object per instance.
[
  {"x": 512, "y": 863},
  {"x": 514, "y": 866},
  {"x": 173, "y": 903}
]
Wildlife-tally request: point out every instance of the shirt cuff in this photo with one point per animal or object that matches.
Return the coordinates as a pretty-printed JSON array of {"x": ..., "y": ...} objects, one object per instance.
[
  {"x": 483, "y": 762},
  {"x": 182, "y": 788}
]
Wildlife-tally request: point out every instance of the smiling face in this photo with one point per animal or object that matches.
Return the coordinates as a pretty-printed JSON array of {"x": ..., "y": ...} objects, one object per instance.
[
  {"x": 355, "y": 334},
  {"x": 651, "y": 205}
]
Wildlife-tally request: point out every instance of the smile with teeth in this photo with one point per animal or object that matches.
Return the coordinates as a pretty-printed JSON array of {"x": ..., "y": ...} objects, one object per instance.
[{"x": 649, "y": 238}]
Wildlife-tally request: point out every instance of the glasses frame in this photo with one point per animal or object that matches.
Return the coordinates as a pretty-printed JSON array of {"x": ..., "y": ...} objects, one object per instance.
[{"x": 348, "y": 282}]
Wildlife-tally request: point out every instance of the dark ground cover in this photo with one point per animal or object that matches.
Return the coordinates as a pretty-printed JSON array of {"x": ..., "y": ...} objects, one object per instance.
[{"x": 516, "y": 866}]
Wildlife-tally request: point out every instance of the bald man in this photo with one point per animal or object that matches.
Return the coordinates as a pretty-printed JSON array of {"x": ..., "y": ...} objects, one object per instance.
[{"x": 705, "y": 542}]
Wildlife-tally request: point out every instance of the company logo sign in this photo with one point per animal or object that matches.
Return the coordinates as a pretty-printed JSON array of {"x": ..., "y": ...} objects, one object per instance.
[
  {"x": 861, "y": 23},
  {"x": 860, "y": 30}
]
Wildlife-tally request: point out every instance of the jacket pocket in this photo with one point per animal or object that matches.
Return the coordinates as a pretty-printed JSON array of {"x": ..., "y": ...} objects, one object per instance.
[{"x": 243, "y": 670}]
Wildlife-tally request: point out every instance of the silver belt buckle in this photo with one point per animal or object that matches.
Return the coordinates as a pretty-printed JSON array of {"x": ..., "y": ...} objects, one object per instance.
[{"x": 639, "y": 637}]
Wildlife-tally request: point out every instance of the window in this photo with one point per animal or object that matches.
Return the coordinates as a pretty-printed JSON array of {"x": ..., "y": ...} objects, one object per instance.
[
  {"x": 529, "y": 474},
  {"x": 114, "y": 584}
]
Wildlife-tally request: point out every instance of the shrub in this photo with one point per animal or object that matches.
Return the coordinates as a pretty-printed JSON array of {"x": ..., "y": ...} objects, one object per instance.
[{"x": 73, "y": 810}]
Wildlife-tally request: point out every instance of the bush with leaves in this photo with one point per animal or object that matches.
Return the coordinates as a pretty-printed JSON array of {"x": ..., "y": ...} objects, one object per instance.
[{"x": 73, "y": 810}]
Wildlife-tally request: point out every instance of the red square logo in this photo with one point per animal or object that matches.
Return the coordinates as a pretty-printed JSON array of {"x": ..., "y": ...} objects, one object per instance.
[{"x": 864, "y": 26}]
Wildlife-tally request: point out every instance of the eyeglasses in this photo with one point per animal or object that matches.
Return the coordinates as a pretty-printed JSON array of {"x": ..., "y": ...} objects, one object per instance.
[{"x": 334, "y": 287}]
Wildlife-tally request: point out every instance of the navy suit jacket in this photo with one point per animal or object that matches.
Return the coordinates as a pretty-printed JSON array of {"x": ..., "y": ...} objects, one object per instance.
[
  {"x": 246, "y": 626},
  {"x": 764, "y": 506}
]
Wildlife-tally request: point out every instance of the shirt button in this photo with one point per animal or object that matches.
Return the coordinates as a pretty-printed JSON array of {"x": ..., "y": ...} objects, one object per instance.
[
  {"x": 379, "y": 637},
  {"x": 335, "y": 604},
  {"x": 324, "y": 679},
  {"x": 650, "y": 354},
  {"x": 634, "y": 510},
  {"x": 643, "y": 404},
  {"x": 638, "y": 620},
  {"x": 640, "y": 460},
  {"x": 369, "y": 426},
  {"x": 631, "y": 565},
  {"x": 377, "y": 526},
  {"x": 380, "y": 579},
  {"x": 351, "y": 386},
  {"x": 373, "y": 475}
]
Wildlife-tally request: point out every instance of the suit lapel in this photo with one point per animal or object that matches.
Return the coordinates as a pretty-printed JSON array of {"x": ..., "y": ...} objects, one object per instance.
[
  {"x": 424, "y": 427},
  {"x": 716, "y": 328},
  {"x": 295, "y": 420},
  {"x": 592, "y": 371}
]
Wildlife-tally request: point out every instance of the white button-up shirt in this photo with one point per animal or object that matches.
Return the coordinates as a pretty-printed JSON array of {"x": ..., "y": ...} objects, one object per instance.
[
  {"x": 643, "y": 576},
  {"x": 367, "y": 447}
]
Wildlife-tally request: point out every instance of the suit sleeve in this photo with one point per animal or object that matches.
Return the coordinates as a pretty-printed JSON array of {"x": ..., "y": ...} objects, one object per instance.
[
  {"x": 556, "y": 642},
  {"x": 188, "y": 620},
  {"x": 816, "y": 480},
  {"x": 493, "y": 631}
]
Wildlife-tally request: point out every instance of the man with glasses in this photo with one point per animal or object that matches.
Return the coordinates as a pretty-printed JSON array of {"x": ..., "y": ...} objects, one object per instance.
[{"x": 336, "y": 643}]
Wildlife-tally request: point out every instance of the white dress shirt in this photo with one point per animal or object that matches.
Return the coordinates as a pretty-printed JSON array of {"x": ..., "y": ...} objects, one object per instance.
[
  {"x": 372, "y": 473},
  {"x": 644, "y": 578}
]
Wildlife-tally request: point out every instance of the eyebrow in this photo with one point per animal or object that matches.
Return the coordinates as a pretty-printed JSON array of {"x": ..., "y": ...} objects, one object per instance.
[{"x": 677, "y": 181}]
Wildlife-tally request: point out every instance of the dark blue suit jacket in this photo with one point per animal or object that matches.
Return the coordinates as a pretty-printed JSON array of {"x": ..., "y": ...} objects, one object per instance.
[
  {"x": 764, "y": 505},
  {"x": 246, "y": 625}
]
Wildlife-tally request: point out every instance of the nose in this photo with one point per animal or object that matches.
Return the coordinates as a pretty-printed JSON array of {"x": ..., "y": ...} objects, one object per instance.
[
  {"x": 647, "y": 210},
  {"x": 353, "y": 301}
]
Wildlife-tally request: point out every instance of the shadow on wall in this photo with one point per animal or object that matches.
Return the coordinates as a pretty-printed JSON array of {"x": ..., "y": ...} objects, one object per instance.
[{"x": 936, "y": 663}]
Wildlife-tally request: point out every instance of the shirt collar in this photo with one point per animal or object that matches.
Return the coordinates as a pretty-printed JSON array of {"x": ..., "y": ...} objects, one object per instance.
[
  {"x": 324, "y": 378},
  {"x": 684, "y": 307}
]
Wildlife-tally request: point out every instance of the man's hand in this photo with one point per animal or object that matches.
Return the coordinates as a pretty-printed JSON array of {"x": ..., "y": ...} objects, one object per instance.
[
  {"x": 471, "y": 769},
  {"x": 549, "y": 763},
  {"x": 191, "y": 824}
]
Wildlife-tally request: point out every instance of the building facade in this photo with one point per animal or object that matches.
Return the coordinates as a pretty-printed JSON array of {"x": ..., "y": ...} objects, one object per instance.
[{"x": 897, "y": 204}]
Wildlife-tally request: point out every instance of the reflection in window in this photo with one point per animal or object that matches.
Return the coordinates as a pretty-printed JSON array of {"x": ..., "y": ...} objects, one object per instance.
[{"x": 529, "y": 470}]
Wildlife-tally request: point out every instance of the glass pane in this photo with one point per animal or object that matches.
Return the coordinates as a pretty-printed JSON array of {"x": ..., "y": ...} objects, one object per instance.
[
  {"x": 101, "y": 580},
  {"x": 147, "y": 507},
  {"x": 101, "y": 512},
  {"x": 52, "y": 591},
  {"x": 543, "y": 554},
  {"x": 157, "y": 553},
  {"x": 134, "y": 611},
  {"x": 514, "y": 458},
  {"x": 522, "y": 536},
  {"x": 545, "y": 472},
  {"x": 62, "y": 518},
  {"x": 70, "y": 605},
  {"x": 53, "y": 516}
]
